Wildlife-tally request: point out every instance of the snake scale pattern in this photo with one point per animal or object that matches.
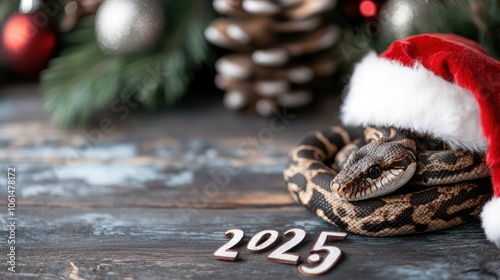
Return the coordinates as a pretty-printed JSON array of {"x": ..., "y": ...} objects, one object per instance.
[{"x": 444, "y": 191}]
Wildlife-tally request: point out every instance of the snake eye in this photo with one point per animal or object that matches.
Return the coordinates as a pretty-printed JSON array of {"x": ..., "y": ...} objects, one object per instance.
[{"x": 374, "y": 172}]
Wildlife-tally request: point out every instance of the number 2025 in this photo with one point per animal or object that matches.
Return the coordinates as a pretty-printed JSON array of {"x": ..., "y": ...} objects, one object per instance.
[{"x": 264, "y": 240}]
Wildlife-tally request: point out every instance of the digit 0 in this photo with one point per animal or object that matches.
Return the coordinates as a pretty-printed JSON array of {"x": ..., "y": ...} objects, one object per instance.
[{"x": 256, "y": 245}]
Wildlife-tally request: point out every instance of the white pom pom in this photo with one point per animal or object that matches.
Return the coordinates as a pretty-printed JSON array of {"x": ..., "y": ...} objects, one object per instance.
[{"x": 490, "y": 217}]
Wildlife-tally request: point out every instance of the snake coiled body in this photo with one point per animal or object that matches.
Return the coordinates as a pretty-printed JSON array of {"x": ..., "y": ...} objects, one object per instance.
[{"x": 443, "y": 191}]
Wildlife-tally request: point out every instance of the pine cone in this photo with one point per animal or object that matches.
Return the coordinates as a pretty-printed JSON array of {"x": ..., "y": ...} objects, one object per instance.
[{"x": 280, "y": 49}]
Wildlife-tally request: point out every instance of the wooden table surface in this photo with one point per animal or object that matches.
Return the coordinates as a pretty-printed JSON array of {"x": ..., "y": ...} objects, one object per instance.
[{"x": 140, "y": 200}]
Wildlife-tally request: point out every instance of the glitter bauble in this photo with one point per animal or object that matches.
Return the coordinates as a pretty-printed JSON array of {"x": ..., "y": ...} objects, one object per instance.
[
  {"x": 401, "y": 18},
  {"x": 129, "y": 26}
]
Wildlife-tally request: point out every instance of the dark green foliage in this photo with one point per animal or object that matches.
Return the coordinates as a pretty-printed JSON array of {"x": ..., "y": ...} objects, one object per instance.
[
  {"x": 478, "y": 20},
  {"x": 7, "y": 7},
  {"x": 83, "y": 79}
]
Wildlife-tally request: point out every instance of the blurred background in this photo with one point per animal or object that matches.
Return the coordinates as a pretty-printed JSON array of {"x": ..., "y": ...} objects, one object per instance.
[
  {"x": 254, "y": 56},
  {"x": 141, "y": 130}
]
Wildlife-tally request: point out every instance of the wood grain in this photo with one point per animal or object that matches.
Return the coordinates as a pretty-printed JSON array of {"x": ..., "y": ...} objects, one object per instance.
[
  {"x": 175, "y": 244},
  {"x": 152, "y": 199}
]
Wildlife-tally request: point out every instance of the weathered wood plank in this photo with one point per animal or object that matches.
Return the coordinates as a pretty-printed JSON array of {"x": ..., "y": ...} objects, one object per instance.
[
  {"x": 197, "y": 155},
  {"x": 176, "y": 244},
  {"x": 121, "y": 185}
]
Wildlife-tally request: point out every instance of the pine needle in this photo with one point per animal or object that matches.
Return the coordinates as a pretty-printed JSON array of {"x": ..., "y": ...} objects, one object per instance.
[{"x": 83, "y": 79}]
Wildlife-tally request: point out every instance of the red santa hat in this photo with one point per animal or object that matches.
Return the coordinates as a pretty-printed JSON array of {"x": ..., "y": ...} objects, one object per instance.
[{"x": 443, "y": 85}]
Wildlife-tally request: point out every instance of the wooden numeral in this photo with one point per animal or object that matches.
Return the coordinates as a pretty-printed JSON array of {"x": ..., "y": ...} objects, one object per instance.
[
  {"x": 265, "y": 239},
  {"x": 255, "y": 245},
  {"x": 223, "y": 253},
  {"x": 280, "y": 255},
  {"x": 332, "y": 255}
]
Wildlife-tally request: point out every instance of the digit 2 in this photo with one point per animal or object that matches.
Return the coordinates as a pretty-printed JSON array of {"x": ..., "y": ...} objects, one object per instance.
[
  {"x": 280, "y": 255},
  {"x": 223, "y": 253}
]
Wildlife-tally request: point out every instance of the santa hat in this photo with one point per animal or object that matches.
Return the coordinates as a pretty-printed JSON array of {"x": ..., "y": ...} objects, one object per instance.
[{"x": 442, "y": 85}]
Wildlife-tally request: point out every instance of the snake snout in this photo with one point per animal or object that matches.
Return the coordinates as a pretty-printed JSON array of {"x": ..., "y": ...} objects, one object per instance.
[{"x": 341, "y": 189}]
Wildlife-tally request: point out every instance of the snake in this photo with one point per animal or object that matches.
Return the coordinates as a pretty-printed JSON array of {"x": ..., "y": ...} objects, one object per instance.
[{"x": 384, "y": 181}]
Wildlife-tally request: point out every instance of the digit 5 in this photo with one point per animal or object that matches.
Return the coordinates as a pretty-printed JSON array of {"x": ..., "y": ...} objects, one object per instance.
[{"x": 332, "y": 254}]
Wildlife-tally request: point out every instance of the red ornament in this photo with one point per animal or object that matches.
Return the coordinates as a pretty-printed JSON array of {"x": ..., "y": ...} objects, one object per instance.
[
  {"x": 368, "y": 8},
  {"x": 28, "y": 41},
  {"x": 359, "y": 11}
]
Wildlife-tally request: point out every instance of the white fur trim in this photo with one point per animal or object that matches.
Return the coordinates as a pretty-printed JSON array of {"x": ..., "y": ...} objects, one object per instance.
[
  {"x": 387, "y": 93},
  {"x": 490, "y": 217}
]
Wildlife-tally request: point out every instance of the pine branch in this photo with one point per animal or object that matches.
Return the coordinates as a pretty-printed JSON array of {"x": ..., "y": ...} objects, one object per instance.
[
  {"x": 7, "y": 7},
  {"x": 80, "y": 80},
  {"x": 83, "y": 79}
]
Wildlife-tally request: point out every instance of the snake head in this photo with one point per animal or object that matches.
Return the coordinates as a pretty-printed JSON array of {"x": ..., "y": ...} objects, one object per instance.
[{"x": 376, "y": 169}]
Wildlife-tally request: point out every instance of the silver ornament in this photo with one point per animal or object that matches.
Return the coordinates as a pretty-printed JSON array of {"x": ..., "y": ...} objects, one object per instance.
[
  {"x": 129, "y": 26},
  {"x": 401, "y": 18}
]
